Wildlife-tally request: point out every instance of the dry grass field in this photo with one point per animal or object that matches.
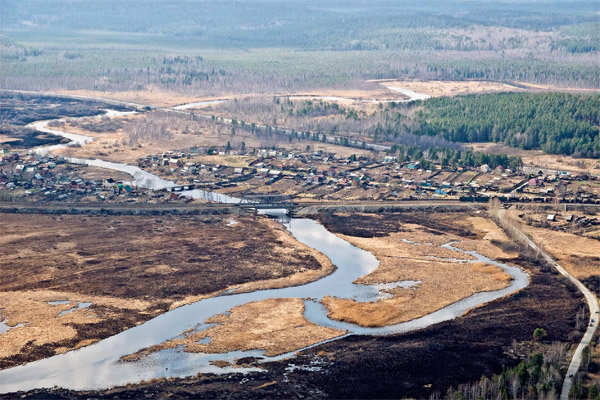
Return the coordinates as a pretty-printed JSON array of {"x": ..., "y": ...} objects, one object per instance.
[
  {"x": 275, "y": 325},
  {"x": 555, "y": 88},
  {"x": 130, "y": 269},
  {"x": 408, "y": 248},
  {"x": 443, "y": 279},
  {"x": 578, "y": 255},
  {"x": 152, "y": 96}
]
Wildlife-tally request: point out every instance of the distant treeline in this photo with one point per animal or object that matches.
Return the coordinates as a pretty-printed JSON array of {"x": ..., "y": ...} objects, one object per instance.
[{"x": 556, "y": 123}]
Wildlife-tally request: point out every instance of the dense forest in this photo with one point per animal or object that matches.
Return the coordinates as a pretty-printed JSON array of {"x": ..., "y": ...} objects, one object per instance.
[{"x": 556, "y": 123}]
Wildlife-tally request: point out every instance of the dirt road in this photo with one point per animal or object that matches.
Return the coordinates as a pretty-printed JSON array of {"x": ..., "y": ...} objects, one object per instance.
[{"x": 589, "y": 297}]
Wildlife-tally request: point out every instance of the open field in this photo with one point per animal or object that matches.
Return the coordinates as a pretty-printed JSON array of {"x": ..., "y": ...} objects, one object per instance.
[
  {"x": 163, "y": 263},
  {"x": 578, "y": 255},
  {"x": 540, "y": 159},
  {"x": 450, "y": 88},
  {"x": 438, "y": 88},
  {"x": 550, "y": 88},
  {"x": 153, "y": 96}
]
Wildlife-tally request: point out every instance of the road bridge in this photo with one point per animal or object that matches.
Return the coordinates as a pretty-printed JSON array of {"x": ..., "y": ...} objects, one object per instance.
[
  {"x": 266, "y": 201},
  {"x": 199, "y": 208}
]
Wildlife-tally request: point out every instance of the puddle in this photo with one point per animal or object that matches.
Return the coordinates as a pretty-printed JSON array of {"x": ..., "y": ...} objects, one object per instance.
[
  {"x": 5, "y": 328},
  {"x": 79, "y": 306},
  {"x": 59, "y": 302}
]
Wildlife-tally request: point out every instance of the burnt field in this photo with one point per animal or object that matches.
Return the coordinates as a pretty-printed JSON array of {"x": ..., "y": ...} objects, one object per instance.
[
  {"x": 377, "y": 225},
  {"x": 404, "y": 365},
  {"x": 13, "y": 136},
  {"x": 131, "y": 268}
]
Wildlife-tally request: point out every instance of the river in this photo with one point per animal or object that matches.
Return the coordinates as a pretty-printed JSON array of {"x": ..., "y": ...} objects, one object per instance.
[{"x": 98, "y": 366}]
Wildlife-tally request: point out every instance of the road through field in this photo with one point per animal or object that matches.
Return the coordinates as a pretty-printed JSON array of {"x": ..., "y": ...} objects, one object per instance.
[{"x": 590, "y": 297}]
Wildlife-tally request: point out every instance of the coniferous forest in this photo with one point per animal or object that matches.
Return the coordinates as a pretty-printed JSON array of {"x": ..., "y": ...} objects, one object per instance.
[{"x": 556, "y": 123}]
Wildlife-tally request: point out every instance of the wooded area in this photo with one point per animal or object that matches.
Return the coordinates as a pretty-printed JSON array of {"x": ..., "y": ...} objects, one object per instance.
[{"x": 556, "y": 123}]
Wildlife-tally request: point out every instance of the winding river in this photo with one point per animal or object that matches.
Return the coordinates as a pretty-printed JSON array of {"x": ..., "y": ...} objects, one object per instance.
[{"x": 98, "y": 366}]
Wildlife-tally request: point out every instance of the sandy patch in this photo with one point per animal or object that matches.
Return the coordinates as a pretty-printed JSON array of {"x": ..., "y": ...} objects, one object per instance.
[{"x": 451, "y": 88}]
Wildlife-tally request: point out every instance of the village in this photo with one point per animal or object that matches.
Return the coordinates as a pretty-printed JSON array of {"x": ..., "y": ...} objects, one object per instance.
[
  {"x": 323, "y": 176},
  {"x": 303, "y": 175},
  {"x": 50, "y": 178}
]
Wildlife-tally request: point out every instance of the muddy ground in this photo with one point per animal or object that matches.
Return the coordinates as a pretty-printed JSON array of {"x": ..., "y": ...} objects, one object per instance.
[
  {"x": 404, "y": 365},
  {"x": 131, "y": 268}
]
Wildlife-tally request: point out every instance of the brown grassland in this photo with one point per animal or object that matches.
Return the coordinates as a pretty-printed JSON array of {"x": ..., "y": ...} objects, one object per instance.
[
  {"x": 540, "y": 159},
  {"x": 452, "y": 88},
  {"x": 443, "y": 281},
  {"x": 151, "y": 96},
  {"x": 275, "y": 325},
  {"x": 578, "y": 255}
]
